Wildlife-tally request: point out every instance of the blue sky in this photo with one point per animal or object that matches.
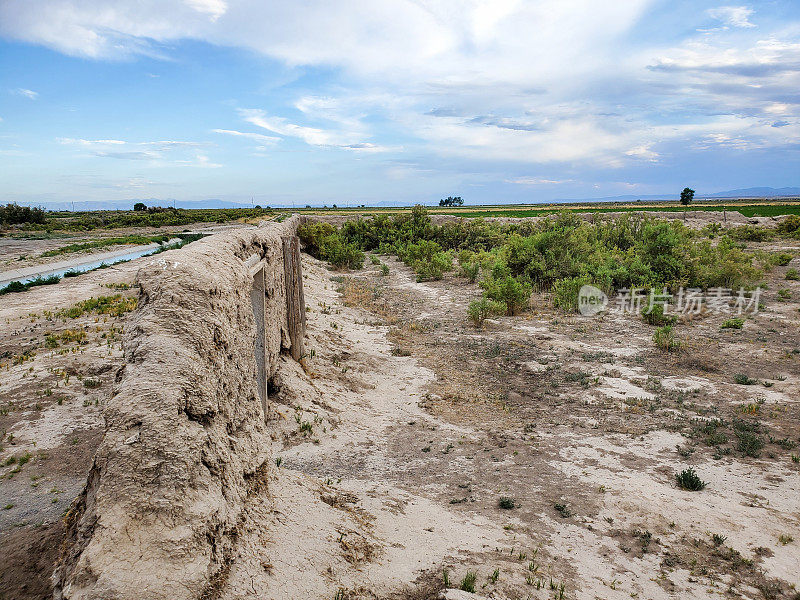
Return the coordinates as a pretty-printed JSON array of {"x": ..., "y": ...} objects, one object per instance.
[{"x": 351, "y": 102}]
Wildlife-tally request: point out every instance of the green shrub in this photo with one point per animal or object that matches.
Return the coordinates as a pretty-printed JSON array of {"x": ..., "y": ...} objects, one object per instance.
[
  {"x": 506, "y": 503},
  {"x": 508, "y": 290},
  {"x": 14, "y": 214},
  {"x": 750, "y": 233},
  {"x": 664, "y": 339},
  {"x": 480, "y": 310},
  {"x": 782, "y": 259},
  {"x": 384, "y": 269},
  {"x": 784, "y": 295},
  {"x": 743, "y": 379},
  {"x": 734, "y": 323},
  {"x": 565, "y": 292},
  {"x": 749, "y": 443},
  {"x": 654, "y": 315},
  {"x": 323, "y": 241},
  {"x": 792, "y": 274},
  {"x": 471, "y": 270},
  {"x": 689, "y": 480},
  {"x": 789, "y": 225}
]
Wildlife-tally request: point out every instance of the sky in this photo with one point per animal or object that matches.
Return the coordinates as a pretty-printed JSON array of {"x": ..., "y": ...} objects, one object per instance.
[{"x": 320, "y": 102}]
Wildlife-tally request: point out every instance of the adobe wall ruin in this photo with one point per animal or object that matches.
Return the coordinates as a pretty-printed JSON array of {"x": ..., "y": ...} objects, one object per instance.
[{"x": 186, "y": 440}]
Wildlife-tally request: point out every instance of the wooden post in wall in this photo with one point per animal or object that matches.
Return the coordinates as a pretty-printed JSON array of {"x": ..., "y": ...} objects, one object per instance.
[{"x": 295, "y": 301}]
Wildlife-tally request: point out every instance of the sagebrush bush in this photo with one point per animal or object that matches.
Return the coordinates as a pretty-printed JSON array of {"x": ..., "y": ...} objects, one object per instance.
[
  {"x": 508, "y": 290},
  {"x": 654, "y": 315},
  {"x": 480, "y": 310},
  {"x": 689, "y": 480},
  {"x": 790, "y": 225},
  {"x": 551, "y": 255},
  {"x": 471, "y": 270},
  {"x": 750, "y": 233},
  {"x": 792, "y": 274},
  {"x": 565, "y": 292}
]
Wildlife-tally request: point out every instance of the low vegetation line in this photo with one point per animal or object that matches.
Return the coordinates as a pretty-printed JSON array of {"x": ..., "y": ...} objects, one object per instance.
[
  {"x": 19, "y": 286},
  {"x": 557, "y": 256},
  {"x": 113, "y": 241}
]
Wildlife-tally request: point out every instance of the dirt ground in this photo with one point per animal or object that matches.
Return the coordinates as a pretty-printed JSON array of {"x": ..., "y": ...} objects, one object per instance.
[{"x": 398, "y": 441}]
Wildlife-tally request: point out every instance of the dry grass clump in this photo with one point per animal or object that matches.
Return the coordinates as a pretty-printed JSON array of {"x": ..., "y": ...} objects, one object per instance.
[
  {"x": 698, "y": 357},
  {"x": 359, "y": 293}
]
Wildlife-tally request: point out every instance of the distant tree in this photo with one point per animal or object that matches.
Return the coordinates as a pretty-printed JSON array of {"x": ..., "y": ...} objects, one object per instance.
[
  {"x": 139, "y": 206},
  {"x": 14, "y": 213},
  {"x": 687, "y": 195},
  {"x": 257, "y": 207},
  {"x": 452, "y": 201},
  {"x": 334, "y": 206}
]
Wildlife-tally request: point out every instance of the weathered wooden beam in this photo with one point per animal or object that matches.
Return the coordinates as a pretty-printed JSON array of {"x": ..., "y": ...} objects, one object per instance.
[
  {"x": 259, "y": 313},
  {"x": 295, "y": 301}
]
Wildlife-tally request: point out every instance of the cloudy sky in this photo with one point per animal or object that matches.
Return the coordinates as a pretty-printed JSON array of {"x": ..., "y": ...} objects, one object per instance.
[{"x": 318, "y": 101}]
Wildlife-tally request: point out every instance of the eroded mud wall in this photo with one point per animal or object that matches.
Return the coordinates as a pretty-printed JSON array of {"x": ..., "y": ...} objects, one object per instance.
[{"x": 185, "y": 440}]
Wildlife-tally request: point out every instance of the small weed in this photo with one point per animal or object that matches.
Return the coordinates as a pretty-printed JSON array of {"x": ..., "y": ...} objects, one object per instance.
[
  {"x": 718, "y": 539},
  {"x": 468, "y": 582},
  {"x": 664, "y": 339},
  {"x": 784, "y": 295},
  {"x": 785, "y": 539},
  {"x": 563, "y": 510},
  {"x": 735, "y": 323},
  {"x": 493, "y": 576},
  {"x": 506, "y": 503},
  {"x": 689, "y": 480},
  {"x": 792, "y": 274},
  {"x": 743, "y": 379},
  {"x": 446, "y": 578},
  {"x": 749, "y": 444}
]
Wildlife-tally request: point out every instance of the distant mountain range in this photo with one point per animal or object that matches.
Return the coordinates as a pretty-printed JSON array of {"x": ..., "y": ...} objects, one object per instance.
[{"x": 754, "y": 192}]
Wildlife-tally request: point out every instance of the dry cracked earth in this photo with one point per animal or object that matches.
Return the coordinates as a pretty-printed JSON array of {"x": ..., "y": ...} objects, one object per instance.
[{"x": 538, "y": 454}]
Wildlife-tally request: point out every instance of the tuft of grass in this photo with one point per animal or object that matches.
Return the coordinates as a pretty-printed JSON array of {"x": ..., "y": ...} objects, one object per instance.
[
  {"x": 468, "y": 582},
  {"x": 689, "y": 480},
  {"x": 784, "y": 295},
  {"x": 718, "y": 539},
  {"x": 749, "y": 444},
  {"x": 493, "y": 576},
  {"x": 563, "y": 510},
  {"x": 792, "y": 274},
  {"x": 743, "y": 379},
  {"x": 785, "y": 539},
  {"x": 735, "y": 323},
  {"x": 664, "y": 339},
  {"x": 506, "y": 503}
]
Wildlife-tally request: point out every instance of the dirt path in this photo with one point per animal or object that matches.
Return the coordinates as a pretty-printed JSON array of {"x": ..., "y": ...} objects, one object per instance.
[{"x": 576, "y": 423}]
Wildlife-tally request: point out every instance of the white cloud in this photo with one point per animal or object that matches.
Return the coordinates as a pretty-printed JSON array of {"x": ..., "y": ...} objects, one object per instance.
[
  {"x": 537, "y": 181},
  {"x": 313, "y": 136},
  {"x": 156, "y": 153},
  {"x": 30, "y": 94},
  {"x": 263, "y": 139},
  {"x": 213, "y": 8},
  {"x": 733, "y": 16},
  {"x": 492, "y": 80}
]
